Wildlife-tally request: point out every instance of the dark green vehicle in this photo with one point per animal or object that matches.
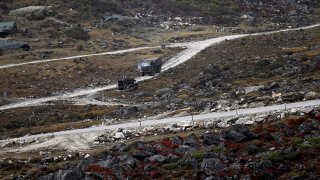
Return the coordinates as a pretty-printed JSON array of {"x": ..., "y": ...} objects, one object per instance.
[
  {"x": 150, "y": 66},
  {"x": 127, "y": 84},
  {"x": 7, "y": 45},
  {"x": 7, "y": 28}
]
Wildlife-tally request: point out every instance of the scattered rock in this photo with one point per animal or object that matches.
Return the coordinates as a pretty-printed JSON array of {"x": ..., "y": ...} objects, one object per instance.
[
  {"x": 191, "y": 140},
  {"x": 238, "y": 133},
  {"x": 31, "y": 10},
  {"x": 164, "y": 92},
  {"x": 157, "y": 158},
  {"x": 77, "y": 33},
  {"x": 210, "y": 139},
  {"x": 212, "y": 165},
  {"x": 119, "y": 135},
  {"x": 67, "y": 175},
  {"x": 311, "y": 95},
  {"x": 245, "y": 120},
  {"x": 128, "y": 110}
]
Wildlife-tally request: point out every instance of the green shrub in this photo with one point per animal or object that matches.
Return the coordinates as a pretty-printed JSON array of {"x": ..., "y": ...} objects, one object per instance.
[
  {"x": 199, "y": 155},
  {"x": 171, "y": 166},
  {"x": 274, "y": 156}
]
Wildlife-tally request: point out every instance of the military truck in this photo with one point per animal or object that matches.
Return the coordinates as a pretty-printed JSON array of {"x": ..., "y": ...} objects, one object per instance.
[
  {"x": 6, "y": 45},
  {"x": 127, "y": 84},
  {"x": 7, "y": 28},
  {"x": 150, "y": 66}
]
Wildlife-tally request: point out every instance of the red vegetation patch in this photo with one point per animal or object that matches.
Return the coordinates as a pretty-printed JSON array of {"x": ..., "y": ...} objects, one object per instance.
[
  {"x": 295, "y": 122},
  {"x": 285, "y": 139},
  {"x": 97, "y": 169},
  {"x": 271, "y": 128},
  {"x": 266, "y": 136},
  {"x": 168, "y": 143},
  {"x": 234, "y": 146},
  {"x": 226, "y": 173},
  {"x": 245, "y": 170},
  {"x": 155, "y": 174},
  {"x": 257, "y": 130},
  {"x": 137, "y": 172},
  {"x": 273, "y": 143},
  {"x": 259, "y": 143}
]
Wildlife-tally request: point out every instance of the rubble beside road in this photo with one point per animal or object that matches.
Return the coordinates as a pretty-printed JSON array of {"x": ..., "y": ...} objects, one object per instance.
[{"x": 122, "y": 134}]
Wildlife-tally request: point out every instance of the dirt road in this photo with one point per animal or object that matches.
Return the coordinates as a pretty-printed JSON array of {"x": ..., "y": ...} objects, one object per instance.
[
  {"x": 192, "y": 49},
  {"x": 83, "y": 138}
]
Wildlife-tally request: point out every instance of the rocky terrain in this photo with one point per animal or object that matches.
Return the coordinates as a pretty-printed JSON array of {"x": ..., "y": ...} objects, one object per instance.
[
  {"x": 253, "y": 71},
  {"x": 272, "y": 149},
  {"x": 237, "y": 74}
]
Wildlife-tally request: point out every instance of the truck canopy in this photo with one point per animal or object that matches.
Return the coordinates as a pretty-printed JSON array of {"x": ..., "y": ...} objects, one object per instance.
[
  {"x": 6, "y": 28},
  {"x": 147, "y": 62},
  {"x": 9, "y": 45}
]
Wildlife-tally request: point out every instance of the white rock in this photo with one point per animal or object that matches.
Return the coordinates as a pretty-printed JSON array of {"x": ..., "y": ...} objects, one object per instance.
[
  {"x": 223, "y": 124},
  {"x": 306, "y": 110},
  {"x": 96, "y": 143},
  {"x": 185, "y": 124},
  {"x": 293, "y": 110},
  {"x": 41, "y": 153},
  {"x": 249, "y": 122},
  {"x": 311, "y": 95},
  {"x": 244, "y": 120},
  {"x": 119, "y": 135},
  {"x": 252, "y": 89},
  {"x": 86, "y": 156},
  {"x": 113, "y": 133},
  {"x": 260, "y": 118},
  {"x": 245, "y": 17},
  {"x": 148, "y": 129},
  {"x": 177, "y": 19},
  {"x": 29, "y": 9}
]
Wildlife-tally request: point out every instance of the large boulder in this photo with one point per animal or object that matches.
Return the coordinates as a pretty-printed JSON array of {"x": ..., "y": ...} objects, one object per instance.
[
  {"x": 262, "y": 165},
  {"x": 157, "y": 158},
  {"x": 210, "y": 139},
  {"x": 129, "y": 161},
  {"x": 164, "y": 92},
  {"x": 67, "y": 175},
  {"x": 77, "y": 33},
  {"x": 140, "y": 155},
  {"x": 238, "y": 133},
  {"x": 311, "y": 95},
  {"x": 119, "y": 135},
  {"x": 45, "y": 10},
  {"x": 212, "y": 165},
  {"x": 47, "y": 177},
  {"x": 183, "y": 149},
  {"x": 128, "y": 110},
  {"x": 191, "y": 140},
  {"x": 177, "y": 140}
]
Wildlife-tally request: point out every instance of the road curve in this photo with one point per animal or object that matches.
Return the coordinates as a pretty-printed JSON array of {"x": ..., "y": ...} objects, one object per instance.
[
  {"x": 75, "y": 57},
  {"x": 192, "y": 49},
  {"x": 136, "y": 123}
]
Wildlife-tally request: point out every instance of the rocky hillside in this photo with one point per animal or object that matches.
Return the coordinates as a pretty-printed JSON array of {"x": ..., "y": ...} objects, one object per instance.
[{"x": 285, "y": 149}]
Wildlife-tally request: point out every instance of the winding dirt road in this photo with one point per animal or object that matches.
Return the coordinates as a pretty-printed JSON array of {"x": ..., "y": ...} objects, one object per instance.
[
  {"x": 87, "y": 135},
  {"x": 192, "y": 49}
]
